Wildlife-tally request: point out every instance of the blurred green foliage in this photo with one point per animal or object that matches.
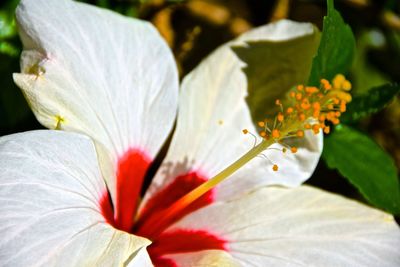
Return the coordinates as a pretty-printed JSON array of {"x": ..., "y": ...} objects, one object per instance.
[
  {"x": 8, "y": 30},
  {"x": 13, "y": 107},
  {"x": 365, "y": 76}
]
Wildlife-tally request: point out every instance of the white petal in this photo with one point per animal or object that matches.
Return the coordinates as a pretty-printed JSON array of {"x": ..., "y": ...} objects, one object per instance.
[
  {"x": 212, "y": 114},
  {"x": 302, "y": 226},
  {"x": 209, "y": 258},
  {"x": 50, "y": 188},
  {"x": 108, "y": 76},
  {"x": 140, "y": 259}
]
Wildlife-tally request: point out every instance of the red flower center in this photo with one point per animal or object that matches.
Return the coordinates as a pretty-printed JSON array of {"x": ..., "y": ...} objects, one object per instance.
[{"x": 131, "y": 171}]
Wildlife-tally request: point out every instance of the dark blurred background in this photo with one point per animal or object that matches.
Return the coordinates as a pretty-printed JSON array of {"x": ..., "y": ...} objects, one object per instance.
[{"x": 194, "y": 28}]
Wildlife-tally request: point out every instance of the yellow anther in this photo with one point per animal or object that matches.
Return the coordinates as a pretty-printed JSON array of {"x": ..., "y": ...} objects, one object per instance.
[
  {"x": 325, "y": 84},
  {"x": 315, "y": 128},
  {"x": 299, "y": 96},
  {"x": 307, "y": 126},
  {"x": 275, "y": 168},
  {"x": 300, "y": 133},
  {"x": 293, "y": 149},
  {"x": 261, "y": 123},
  {"x": 245, "y": 131},
  {"x": 322, "y": 117},
  {"x": 280, "y": 117},
  {"x": 276, "y": 134},
  {"x": 292, "y": 94},
  {"x": 330, "y": 106},
  {"x": 346, "y": 85},
  {"x": 302, "y": 117},
  {"x": 324, "y": 81},
  {"x": 329, "y": 116},
  {"x": 342, "y": 107},
  {"x": 336, "y": 101},
  {"x": 289, "y": 110},
  {"x": 327, "y": 129},
  {"x": 316, "y": 113},
  {"x": 335, "y": 121},
  {"x": 305, "y": 104},
  {"x": 338, "y": 81},
  {"x": 278, "y": 102},
  {"x": 300, "y": 87},
  {"x": 311, "y": 89},
  {"x": 316, "y": 105},
  {"x": 337, "y": 113},
  {"x": 344, "y": 96},
  {"x": 263, "y": 133}
]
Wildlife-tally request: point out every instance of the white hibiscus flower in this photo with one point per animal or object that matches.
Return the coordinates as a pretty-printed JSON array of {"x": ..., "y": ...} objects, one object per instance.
[{"x": 72, "y": 197}]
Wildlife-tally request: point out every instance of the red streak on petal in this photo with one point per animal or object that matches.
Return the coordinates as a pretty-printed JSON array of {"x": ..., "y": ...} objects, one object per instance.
[
  {"x": 182, "y": 241},
  {"x": 132, "y": 168},
  {"x": 106, "y": 208},
  {"x": 163, "y": 262},
  {"x": 151, "y": 213}
]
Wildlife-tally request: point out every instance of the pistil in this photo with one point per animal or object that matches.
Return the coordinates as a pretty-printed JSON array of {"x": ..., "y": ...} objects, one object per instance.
[
  {"x": 310, "y": 108},
  {"x": 168, "y": 214}
]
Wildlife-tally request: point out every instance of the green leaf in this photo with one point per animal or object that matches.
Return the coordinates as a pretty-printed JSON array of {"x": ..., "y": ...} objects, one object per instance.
[
  {"x": 336, "y": 50},
  {"x": 365, "y": 165},
  {"x": 273, "y": 68},
  {"x": 370, "y": 102}
]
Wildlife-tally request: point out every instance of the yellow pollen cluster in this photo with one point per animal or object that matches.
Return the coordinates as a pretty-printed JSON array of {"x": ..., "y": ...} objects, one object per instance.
[{"x": 308, "y": 108}]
